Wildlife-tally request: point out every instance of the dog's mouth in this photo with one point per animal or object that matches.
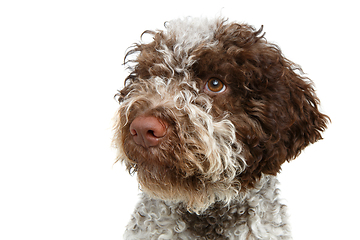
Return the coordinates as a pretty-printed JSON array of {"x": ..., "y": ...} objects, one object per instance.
[{"x": 153, "y": 145}]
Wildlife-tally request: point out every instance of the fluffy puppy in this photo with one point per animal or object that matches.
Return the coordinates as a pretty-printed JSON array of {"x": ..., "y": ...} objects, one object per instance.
[{"x": 209, "y": 113}]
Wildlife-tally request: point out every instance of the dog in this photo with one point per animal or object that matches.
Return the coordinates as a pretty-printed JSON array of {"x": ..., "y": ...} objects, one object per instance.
[{"x": 208, "y": 114}]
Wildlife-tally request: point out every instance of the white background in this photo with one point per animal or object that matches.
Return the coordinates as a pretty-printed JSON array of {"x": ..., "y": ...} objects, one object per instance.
[{"x": 60, "y": 66}]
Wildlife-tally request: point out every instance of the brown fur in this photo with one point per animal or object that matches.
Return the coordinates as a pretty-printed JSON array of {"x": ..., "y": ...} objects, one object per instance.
[{"x": 273, "y": 106}]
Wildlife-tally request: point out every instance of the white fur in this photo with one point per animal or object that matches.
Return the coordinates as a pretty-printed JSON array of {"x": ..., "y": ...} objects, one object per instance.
[{"x": 188, "y": 33}]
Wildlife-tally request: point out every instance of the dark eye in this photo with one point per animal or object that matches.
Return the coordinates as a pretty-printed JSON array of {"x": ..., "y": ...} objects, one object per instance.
[{"x": 215, "y": 85}]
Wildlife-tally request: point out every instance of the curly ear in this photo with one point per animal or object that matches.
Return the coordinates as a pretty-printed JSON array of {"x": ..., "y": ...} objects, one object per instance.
[
  {"x": 307, "y": 121},
  {"x": 290, "y": 106},
  {"x": 280, "y": 105}
]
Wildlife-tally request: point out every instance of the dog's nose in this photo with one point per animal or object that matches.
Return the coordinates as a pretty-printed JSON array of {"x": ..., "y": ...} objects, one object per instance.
[{"x": 148, "y": 131}]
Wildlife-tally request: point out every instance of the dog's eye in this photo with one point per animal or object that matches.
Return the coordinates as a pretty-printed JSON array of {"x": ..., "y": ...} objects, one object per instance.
[{"x": 215, "y": 85}]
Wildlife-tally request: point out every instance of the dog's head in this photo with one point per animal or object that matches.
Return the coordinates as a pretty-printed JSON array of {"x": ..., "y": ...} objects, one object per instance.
[{"x": 210, "y": 106}]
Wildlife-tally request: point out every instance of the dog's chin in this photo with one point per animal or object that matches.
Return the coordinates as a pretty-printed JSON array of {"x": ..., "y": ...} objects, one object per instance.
[
  {"x": 163, "y": 173},
  {"x": 164, "y": 183},
  {"x": 166, "y": 177},
  {"x": 159, "y": 159}
]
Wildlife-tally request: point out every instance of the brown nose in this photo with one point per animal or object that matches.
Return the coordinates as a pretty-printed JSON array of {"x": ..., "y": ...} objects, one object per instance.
[{"x": 148, "y": 131}]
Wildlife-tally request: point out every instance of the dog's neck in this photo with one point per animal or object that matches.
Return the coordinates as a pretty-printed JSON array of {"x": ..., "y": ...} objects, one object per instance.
[{"x": 255, "y": 213}]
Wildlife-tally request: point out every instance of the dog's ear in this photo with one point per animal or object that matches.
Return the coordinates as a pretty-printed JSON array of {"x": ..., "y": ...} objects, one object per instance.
[
  {"x": 280, "y": 108},
  {"x": 305, "y": 122}
]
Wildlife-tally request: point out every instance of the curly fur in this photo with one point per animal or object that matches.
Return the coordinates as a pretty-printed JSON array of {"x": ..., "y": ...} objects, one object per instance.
[
  {"x": 256, "y": 214},
  {"x": 223, "y": 148}
]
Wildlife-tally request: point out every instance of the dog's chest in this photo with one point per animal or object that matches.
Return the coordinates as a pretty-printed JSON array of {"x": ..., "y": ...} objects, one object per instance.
[{"x": 256, "y": 215}]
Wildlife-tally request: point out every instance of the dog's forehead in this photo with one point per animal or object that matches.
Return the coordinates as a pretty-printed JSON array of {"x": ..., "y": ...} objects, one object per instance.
[
  {"x": 189, "y": 33},
  {"x": 173, "y": 52}
]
